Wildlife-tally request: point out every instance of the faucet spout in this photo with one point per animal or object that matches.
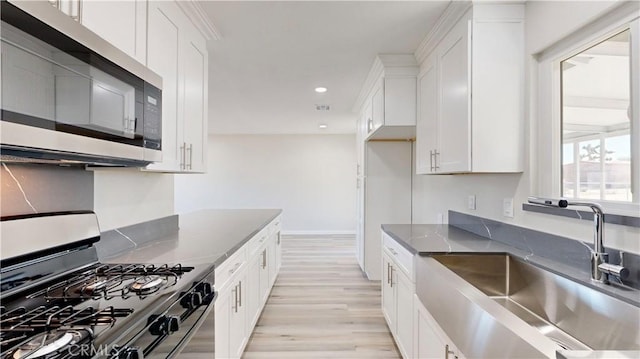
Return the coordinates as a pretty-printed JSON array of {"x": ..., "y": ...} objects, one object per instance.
[{"x": 600, "y": 268}]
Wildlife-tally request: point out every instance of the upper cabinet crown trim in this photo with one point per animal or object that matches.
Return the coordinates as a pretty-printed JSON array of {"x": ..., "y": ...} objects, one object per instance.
[
  {"x": 200, "y": 19},
  {"x": 385, "y": 64},
  {"x": 454, "y": 11}
]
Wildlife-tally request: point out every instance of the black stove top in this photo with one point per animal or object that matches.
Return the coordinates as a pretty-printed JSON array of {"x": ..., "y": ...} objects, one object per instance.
[{"x": 66, "y": 304}]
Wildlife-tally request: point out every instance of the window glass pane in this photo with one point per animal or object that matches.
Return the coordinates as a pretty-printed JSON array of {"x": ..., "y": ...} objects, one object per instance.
[
  {"x": 618, "y": 168},
  {"x": 596, "y": 115},
  {"x": 568, "y": 171}
]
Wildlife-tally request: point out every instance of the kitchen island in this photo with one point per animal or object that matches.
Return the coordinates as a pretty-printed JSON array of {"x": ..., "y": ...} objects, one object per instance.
[{"x": 244, "y": 246}]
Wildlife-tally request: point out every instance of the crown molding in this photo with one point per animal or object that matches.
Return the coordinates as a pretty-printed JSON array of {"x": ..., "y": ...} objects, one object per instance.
[
  {"x": 390, "y": 64},
  {"x": 200, "y": 19},
  {"x": 449, "y": 17}
]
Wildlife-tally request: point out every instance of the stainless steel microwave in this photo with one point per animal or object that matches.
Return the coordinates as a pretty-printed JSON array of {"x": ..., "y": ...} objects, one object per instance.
[{"x": 69, "y": 96}]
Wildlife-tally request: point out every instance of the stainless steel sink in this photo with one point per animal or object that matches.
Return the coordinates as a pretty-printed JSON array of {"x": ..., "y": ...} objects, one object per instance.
[{"x": 574, "y": 316}]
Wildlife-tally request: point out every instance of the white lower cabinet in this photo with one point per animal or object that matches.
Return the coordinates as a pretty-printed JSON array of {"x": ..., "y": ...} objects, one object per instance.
[
  {"x": 430, "y": 341},
  {"x": 398, "y": 288},
  {"x": 244, "y": 282}
]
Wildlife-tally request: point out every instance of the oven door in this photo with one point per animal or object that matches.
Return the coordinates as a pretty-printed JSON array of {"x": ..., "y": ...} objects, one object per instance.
[{"x": 166, "y": 334}]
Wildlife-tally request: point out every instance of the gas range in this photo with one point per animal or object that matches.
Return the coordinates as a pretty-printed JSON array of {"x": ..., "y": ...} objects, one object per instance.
[{"x": 59, "y": 301}]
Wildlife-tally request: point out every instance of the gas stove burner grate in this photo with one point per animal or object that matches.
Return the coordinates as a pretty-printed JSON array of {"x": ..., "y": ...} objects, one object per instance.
[
  {"x": 107, "y": 281},
  {"x": 56, "y": 344},
  {"x": 147, "y": 284},
  {"x": 43, "y": 324}
]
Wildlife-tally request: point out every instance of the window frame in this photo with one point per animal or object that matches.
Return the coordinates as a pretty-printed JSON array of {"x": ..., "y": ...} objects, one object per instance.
[{"x": 546, "y": 144}]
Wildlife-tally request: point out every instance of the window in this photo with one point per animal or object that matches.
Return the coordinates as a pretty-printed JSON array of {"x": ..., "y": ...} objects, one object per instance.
[
  {"x": 586, "y": 125},
  {"x": 596, "y": 121}
]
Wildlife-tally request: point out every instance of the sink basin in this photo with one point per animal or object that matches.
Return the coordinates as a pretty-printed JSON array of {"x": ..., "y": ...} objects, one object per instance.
[{"x": 572, "y": 315}]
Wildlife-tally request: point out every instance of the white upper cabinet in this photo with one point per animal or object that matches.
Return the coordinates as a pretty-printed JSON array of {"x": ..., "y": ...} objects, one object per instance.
[
  {"x": 177, "y": 52},
  {"x": 122, "y": 23},
  {"x": 471, "y": 95},
  {"x": 388, "y": 99}
]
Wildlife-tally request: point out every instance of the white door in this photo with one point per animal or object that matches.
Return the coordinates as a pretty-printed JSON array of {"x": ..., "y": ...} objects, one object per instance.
[
  {"x": 454, "y": 126},
  {"x": 238, "y": 328},
  {"x": 388, "y": 292},
  {"x": 162, "y": 57},
  {"x": 195, "y": 80},
  {"x": 427, "y": 121},
  {"x": 129, "y": 35},
  {"x": 222, "y": 309},
  {"x": 404, "y": 314}
]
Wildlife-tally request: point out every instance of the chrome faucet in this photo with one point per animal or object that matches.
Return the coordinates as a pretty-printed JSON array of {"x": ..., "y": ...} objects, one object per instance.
[{"x": 600, "y": 268}]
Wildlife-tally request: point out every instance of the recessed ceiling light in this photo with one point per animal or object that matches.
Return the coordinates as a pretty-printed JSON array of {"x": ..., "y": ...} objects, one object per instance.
[
  {"x": 321, "y": 89},
  {"x": 322, "y": 126}
]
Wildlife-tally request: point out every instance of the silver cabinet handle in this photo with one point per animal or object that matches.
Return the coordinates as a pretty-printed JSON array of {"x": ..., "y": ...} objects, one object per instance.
[
  {"x": 369, "y": 125},
  {"x": 235, "y": 299},
  {"x": 264, "y": 259},
  {"x": 431, "y": 160},
  {"x": 447, "y": 352},
  {"x": 79, "y": 18},
  {"x": 435, "y": 159},
  {"x": 234, "y": 268},
  {"x": 388, "y": 273},
  {"x": 190, "y": 156},
  {"x": 391, "y": 278},
  {"x": 240, "y": 292}
]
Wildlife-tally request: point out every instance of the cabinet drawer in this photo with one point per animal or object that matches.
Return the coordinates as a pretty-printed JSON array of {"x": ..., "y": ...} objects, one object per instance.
[
  {"x": 229, "y": 267},
  {"x": 275, "y": 226},
  {"x": 402, "y": 256},
  {"x": 257, "y": 242}
]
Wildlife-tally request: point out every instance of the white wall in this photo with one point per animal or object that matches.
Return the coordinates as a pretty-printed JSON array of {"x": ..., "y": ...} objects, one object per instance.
[
  {"x": 128, "y": 196},
  {"x": 310, "y": 177},
  {"x": 547, "y": 22}
]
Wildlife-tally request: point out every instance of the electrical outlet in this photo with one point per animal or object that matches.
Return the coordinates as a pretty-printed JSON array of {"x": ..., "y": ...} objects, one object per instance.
[
  {"x": 471, "y": 204},
  {"x": 440, "y": 218},
  {"x": 507, "y": 207}
]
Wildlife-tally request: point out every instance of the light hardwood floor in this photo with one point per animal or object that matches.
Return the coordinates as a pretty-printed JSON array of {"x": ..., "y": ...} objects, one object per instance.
[{"x": 321, "y": 306}]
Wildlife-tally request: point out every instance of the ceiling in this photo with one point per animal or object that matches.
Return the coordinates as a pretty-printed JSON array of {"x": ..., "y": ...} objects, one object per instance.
[{"x": 272, "y": 54}]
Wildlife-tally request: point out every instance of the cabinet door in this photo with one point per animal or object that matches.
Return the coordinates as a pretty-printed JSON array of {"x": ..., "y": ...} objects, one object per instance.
[
  {"x": 222, "y": 309},
  {"x": 388, "y": 292},
  {"x": 195, "y": 102},
  {"x": 399, "y": 101},
  {"x": 454, "y": 126},
  {"x": 404, "y": 314},
  {"x": 427, "y": 122},
  {"x": 429, "y": 339},
  {"x": 253, "y": 291},
  {"x": 163, "y": 53},
  {"x": 377, "y": 107},
  {"x": 278, "y": 251},
  {"x": 264, "y": 274},
  {"x": 238, "y": 326},
  {"x": 129, "y": 35},
  {"x": 271, "y": 262},
  {"x": 368, "y": 115}
]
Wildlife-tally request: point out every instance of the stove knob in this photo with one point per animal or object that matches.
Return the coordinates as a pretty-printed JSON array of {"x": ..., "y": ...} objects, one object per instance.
[
  {"x": 191, "y": 300},
  {"x": 131, "y": 353},
  {"x": 173, "y": 324},
  {"x": 204, "y": 288},
  {"x": 164, "y": 325}
]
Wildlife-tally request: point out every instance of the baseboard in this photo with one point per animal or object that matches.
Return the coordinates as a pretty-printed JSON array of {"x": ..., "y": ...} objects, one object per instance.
[{"x": 318, "y": 233}]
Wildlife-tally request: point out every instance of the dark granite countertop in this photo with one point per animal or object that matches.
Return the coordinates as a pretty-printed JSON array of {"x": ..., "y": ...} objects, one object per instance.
[
  {"x": 206, "y": 236},
  {"x": 428, "y": 239}
]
